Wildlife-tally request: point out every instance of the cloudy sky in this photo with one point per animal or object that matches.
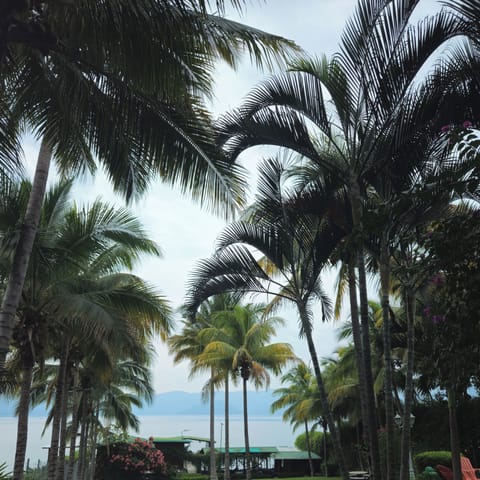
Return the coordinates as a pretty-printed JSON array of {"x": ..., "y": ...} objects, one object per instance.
[{"x": 185, "y": 232}]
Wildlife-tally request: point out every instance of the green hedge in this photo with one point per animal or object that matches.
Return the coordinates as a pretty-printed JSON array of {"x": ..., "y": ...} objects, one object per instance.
[
  {"x": 432, "y": 458},
  {"x": 191, "y": 476}
]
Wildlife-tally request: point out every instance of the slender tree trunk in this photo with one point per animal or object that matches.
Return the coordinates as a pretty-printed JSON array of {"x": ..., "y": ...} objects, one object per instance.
[
  {"x": 74, "y": 427},
  {"x": 93, "y": 444},
  {"x": 248, "y": 460},
  {"x": 23, "y": 250},
  {"x": 371, "y": 403},
  {"x": 356, "y": 208},
  {"x": 325, "y": 468},
  {"x": 83, "y": 436},
  {"x": 60, "y": 470},
  {"x": 22, "y": 424},
  {"x": 56, "y": 422},
  {"x": 357, "y": 343},
  {"x": 226, "y": 473},
  {"x": 387, "y": 355},
  {"x": 309, "y": 449},
  {"x": 213, "y": 466},
  {"x": 454, "y": 436},
  {"x": 407, "y": 409},
  {"x": 322, "y": 392}
]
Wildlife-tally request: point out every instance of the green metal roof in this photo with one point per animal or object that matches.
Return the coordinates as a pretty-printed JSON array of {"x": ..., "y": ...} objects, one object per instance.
[
  {"x": 295, "y": 455},
  {"x": 241, "y": 450},
  {"x": 181, "y": 439},
  {"x": 170, "y": 440}
]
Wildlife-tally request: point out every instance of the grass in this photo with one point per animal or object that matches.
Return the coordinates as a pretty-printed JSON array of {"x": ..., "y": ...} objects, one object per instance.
[{"x": 205, "y": 477}]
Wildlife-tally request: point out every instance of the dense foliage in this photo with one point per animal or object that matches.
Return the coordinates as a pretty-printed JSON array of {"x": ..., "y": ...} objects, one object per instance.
[{"x": 140, "y": 456}]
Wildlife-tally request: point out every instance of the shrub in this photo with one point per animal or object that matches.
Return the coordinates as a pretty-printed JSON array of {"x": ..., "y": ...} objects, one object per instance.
[
  {"x": 140, "y": 456},
  {"x": 432, "y": 458}
]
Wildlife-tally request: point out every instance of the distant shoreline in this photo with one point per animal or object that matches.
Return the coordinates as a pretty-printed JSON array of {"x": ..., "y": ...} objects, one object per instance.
[{"x": 180, "y": 403}]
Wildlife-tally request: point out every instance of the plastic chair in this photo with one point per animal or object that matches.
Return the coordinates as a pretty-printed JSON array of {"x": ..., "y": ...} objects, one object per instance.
[{"x": 468, "y": 472}]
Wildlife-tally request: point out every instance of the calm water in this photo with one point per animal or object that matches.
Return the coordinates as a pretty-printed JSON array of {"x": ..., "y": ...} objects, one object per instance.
[{"x": 263, "y": 431}]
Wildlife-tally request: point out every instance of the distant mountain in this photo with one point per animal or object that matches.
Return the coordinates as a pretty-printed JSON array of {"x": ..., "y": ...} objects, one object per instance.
[
  {"x": 184, "y": 403},
  {"x": 7, "y": 409},
  {"x": 180, "y": 403}
]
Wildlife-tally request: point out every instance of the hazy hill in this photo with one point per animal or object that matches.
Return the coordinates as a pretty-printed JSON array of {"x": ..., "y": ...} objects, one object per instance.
[
  {"x": 180, "y": 403},
  {"x": 184, "y": 403}
]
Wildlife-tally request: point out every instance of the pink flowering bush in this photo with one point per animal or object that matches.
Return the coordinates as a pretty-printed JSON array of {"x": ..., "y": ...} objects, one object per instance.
[{"x": 140, "y": 456}]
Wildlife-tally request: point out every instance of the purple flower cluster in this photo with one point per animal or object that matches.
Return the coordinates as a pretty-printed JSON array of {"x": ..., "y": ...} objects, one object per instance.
[
  {"x": 436, "y": 319},
  {"x": 447, "y": 128}
]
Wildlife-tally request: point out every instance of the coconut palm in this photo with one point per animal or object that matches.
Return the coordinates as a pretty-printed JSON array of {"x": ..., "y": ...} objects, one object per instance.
[
  {"x": 70, "y": 283},
  {"x": 296, "y": 247},
  {"x": 294, "y": 398},
  {"x": 189, "y": 345},
  {"x": 148, "y": 71},
  {"x": 243, "y": 342}
]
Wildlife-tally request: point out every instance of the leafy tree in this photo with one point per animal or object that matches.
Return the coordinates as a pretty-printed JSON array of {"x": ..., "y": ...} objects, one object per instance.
[
  {"x": 295, "y": 246},
  {"x": 295, "y": 398},
  {"x": 74, "y": 289},
  {"x": 450, "y": 309},
  {"x": 68, "y": 68},
  {"x": 244, "y": 343},
  {"x": 361, "y": 116},
  {"x": 189, "y": 344}
]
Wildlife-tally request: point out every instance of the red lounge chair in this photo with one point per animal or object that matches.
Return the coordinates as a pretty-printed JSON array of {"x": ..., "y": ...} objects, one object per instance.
[{"x": 468, "y": 472}]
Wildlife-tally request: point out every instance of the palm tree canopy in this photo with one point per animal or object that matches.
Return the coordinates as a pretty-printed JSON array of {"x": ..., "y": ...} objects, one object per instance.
[
  {"x": 137, "y": 73},
  {"x": 243, "y": 343}
]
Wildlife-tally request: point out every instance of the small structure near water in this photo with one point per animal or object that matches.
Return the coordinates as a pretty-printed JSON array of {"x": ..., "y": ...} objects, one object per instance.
[{"x": 269, "y": 461}]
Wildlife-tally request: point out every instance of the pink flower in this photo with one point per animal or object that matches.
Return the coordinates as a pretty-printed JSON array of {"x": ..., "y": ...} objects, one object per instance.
[
  {"x": 436, "y": 319},
  {"x": 445, "y": 128},
  {"x": 467, "y": 124}
]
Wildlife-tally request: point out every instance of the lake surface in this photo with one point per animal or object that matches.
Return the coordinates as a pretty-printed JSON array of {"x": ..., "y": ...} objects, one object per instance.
[{"x": 263, "y": 431}]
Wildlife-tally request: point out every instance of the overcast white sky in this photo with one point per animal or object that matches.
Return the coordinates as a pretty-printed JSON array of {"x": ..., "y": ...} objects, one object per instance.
[{"x": 180, "y": 227}]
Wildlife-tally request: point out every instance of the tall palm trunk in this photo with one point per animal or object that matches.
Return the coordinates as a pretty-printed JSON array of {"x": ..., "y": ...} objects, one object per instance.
[
  {"x": 405, "y": 450},
  {"x": 309, "y": 449},
  {"x": 83, "y": 435},
  {"x": 74, "y": 427},
  {"x": 248, "y": 461},
  {"x": 322, "y": 392},
  {"x": 357, "y": 344},
  {"x": 371, "y": 403},
  {"x": 356, "y": 209},
  {"x": 226, "y": 472},
  {"x": 23, "y": 412},
  {"x": 324, "y": 427},
  {"x": 23, "y": 250},
  {"x": 454, "y": 437},
  {"x": 57, "y": 417},
  {"x": 90, "y": 470},
  {"x": 387, "y": 355},
  {"x": 213, "y": 465},
  {"x": 60, "y": 470}
]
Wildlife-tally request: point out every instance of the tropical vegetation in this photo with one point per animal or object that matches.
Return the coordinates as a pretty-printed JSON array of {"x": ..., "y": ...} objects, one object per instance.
[{"x": 372, "y": 172}]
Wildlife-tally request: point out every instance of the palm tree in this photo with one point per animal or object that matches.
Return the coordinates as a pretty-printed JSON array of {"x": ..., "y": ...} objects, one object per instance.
[
  {"x": 190, "y": 343},
  {"x": 294, "y": 398},
  {"x": 243, "y": 342},
  {"x": 296, "y": 247},
  {"x": 75, "y": 284},
  {"x": 355, "y": 117},
  {"x": 148, "y": 71}
]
